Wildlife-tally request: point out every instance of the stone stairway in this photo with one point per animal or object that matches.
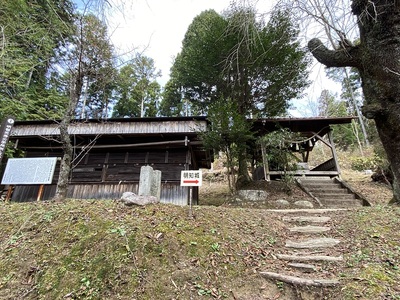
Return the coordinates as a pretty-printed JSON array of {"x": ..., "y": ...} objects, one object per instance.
[
  {"x": 331, "y": 193},
  {"x": 310, "y": 253}
]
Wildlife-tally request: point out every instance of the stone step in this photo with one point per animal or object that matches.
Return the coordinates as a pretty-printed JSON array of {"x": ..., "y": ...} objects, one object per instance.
[
  {"x": 295, "y": 280},
  {"x": 309, "y": 229},
  {"x": 312, "y": 185},
  {"x": 335, "y": 196},
  {"x": 305, "y": 268},
  {"x": 310, "y": 219},
  {"x": 312, "y": 243},
  {"x": 309, "y": 257},
  {"x": 329, "y": 191},
  {"x": 307, "y": 178},
  {"x": 340, "y": 202},
  {"x": 306, "y": 210}
]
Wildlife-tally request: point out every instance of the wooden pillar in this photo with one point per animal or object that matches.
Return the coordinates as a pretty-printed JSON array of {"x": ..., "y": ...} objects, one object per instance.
[
  {"x": 40, "y": 193},
  {"x": 9, "y": 193},
  {"x": 265, "y": 163},
  {"x": 334, "y": 154}
]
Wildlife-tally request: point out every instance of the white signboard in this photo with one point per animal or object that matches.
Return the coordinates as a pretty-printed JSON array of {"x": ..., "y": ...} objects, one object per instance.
[
  {"x": 191, "y": 178},
  {"x": 38, "y": 170}
]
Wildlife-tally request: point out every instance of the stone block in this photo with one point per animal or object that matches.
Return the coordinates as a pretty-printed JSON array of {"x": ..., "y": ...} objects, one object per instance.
[{"x": 253, "y": 195}]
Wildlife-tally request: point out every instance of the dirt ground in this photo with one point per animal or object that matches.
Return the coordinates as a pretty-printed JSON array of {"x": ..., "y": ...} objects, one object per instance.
[
  {"x": 369, "y": 249},
  {"x": 215, "y": 191}
]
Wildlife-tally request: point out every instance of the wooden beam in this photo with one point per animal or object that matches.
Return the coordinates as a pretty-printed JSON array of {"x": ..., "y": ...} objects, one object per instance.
[
  {"x": 40, "y": 193},
  {"x": 118, "y": 145},
  {"x": 306, "y": 172},
  {"x": 322, "y": 140}
]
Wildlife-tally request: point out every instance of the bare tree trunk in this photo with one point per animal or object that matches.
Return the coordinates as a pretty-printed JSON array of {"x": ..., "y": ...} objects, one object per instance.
[{"x": 65, "y": 167}]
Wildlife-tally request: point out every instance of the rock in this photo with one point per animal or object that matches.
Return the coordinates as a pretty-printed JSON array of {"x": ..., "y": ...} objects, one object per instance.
[
  {"x": 253, "y": 195},
  {"x": 304, "y": 203},
  {"x": 129, "y": 199},
  {"x": 282, "y": 202}
]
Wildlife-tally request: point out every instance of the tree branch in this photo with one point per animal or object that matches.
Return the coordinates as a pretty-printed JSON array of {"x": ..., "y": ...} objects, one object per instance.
[{"x": 342, "y": 57}]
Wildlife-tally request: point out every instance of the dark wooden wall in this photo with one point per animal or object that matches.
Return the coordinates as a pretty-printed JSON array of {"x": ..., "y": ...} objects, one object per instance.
[{"x": 108, "y": 174}]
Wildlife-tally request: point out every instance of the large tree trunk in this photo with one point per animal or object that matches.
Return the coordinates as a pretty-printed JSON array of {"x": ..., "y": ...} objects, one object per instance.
[
  {"x": 377, "y": 58},
  {"x": 243, "y": 177}
]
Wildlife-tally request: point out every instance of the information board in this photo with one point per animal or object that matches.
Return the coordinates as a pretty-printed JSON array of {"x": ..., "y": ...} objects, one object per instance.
[
  {"x": 38, "y": 170},
  {"x": 191, "y": 178}
]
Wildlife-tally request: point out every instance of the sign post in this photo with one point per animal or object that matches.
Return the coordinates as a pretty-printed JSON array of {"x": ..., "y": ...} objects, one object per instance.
[
  {"x": 190, "y": 179},
  {"x": 5, "y": 131},
  {"x": 27, "y": 171}
]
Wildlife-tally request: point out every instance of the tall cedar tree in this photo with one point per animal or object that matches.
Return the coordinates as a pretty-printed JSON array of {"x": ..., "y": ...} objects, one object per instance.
[
  {"x": 237, "y": 56},
  {"x": 137, "y": 90}
]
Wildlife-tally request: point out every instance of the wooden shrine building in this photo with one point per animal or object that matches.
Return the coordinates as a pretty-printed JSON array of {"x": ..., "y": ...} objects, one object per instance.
[
  {"x": 108, "y": 155},
  {"x": 311, "y": 131}
]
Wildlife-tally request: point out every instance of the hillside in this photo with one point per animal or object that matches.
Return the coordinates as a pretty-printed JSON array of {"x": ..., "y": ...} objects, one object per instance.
[{"x": 103, "y": 249}]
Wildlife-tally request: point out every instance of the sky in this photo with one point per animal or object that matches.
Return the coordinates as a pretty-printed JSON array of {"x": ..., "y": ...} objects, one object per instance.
[{"x": 158, "y": 27}]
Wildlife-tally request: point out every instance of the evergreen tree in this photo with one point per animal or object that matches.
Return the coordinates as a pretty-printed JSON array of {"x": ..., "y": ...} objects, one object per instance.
[
  {"x": 345, "y": 135},
  {"x": 237, "y": 56},
  {"x": 34, "y": 32},
  {"x": 138, "y": 92}
]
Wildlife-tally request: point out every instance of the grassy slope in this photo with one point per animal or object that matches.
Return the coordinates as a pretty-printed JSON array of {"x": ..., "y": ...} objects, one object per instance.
[
  {"x": 102, "y": 249},
  {"x": 93, "y": 250}
]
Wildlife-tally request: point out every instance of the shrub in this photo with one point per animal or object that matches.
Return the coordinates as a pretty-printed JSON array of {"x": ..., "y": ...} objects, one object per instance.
[{"x": 366, "y": 163}]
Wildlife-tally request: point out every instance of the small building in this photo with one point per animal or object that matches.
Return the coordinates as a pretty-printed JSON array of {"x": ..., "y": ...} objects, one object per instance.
[
  {"x": 108, "y": 155},
  {"x": 312, "y": 131}
]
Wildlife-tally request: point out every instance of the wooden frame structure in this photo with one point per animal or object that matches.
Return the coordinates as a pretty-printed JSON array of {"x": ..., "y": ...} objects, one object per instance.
[
  {"x": 312, "y": 130},
  {"x": 108, "y": 155}
]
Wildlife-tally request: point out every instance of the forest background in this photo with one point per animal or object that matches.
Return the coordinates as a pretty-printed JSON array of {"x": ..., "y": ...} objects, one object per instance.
[{"x": 58, "y": 62}]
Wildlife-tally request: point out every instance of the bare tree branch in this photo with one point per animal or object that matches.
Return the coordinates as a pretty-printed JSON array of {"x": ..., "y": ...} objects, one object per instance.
[{"x": 343, "y": 57}]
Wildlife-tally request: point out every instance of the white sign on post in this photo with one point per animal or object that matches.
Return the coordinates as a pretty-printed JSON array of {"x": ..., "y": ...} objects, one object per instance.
[
  {"x": 191, "y": 178},
  {"x": 38, "y": 170}
]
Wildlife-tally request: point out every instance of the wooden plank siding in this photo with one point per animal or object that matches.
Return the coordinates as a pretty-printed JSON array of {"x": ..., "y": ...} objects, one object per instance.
[
  {"x": 108, "y": 155},
  {"x": 107, "y": 175},
  {"x": 114, "y": 128},
  {"x": 171, "y": 192}
]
